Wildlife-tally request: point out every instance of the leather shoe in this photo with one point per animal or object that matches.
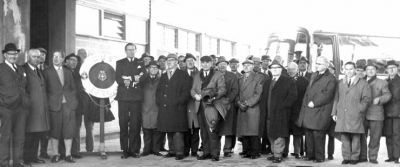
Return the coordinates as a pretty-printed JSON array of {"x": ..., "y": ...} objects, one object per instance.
[
  {"x": 125, "y": 155},
  {"x": 157, "y": 154},
  {"x": 204, "y": 157},
  {"x": 179, "y": 157},
  {"x": 169, "y": 155},
  {"x": 271, "y": 158},
  {"x": 76, "y": 156},
  {"x": 215, "y": 158},
  {"x": 309, "y": 159},
  {"x": 277, "y": 160},
  {"x": 390, "y": 160},
  {"x": 38, "y": 161},
  {"x": 297, "y": 156},
  {"x": 330, "y": 157},
  {"x": 227, "y": 154},
  {"x": 20, "y": 164},
  {"x": 55, "y": 159},
  {"x": 194, "y": 154},
  {"x": 69, "y": 159},
  {"x": 318, "y": 160},
  {"x": 163, "y": 149},
  {"x": 353, "y": 162},
  {"x": 62, "y": 156},
  {"x": 242, "y": 153},
  {"x": 373, "y": 161},
  {"x": 135, "y": 155},
  {"x": 44, "y": 156},
  {"x": 346, "y": 162},
  {"x": 143, "y": 154},
  {"x": 396, "y": 161},
  {"x": 363, "y": 160}
]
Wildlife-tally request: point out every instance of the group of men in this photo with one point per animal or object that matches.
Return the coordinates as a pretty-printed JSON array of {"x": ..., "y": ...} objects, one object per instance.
[
  {"x": 41, "y": 103},
  {"x": 261, "y": 106}
]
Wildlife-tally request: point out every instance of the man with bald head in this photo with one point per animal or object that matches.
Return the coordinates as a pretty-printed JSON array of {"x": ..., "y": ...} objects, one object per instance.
[{"x": 316, "y": 109}]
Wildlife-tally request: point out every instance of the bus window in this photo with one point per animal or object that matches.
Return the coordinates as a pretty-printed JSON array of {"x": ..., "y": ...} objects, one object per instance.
[
  {"x": 376, "y": 50},
  {"x": 322, "y": 46}
]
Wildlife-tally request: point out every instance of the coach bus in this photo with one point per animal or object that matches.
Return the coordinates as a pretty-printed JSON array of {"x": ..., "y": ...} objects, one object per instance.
[{"x": 339, "y": 48}]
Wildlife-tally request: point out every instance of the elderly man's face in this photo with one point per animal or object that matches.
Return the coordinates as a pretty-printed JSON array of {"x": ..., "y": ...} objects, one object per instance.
[
  {"x": 206, "y": 65},
  {"x": 276, "y": 70},
  {"x": 34, "y": 58},
  {"x": 172, "y": 63},
  {"x": 57, "y": 59},
  {"x": 257, "y": 66},
  {"x": 392, "y": 70},
  {"x": 222, "y": 66},
  {"x": 321, "y": 65},
  {"x": 82, "y": 54},
  {"x": 72, "y": 62},
  {"x": 233, "y": 66},
  {"x": 190, "y": 63},
  {"x": 303, "y": 66},
  {"x": 42, "y": 57},
  {"x": 265, "y": 64},
  {"x": 247, "y": 67},
  {"x": 292, "y": 70},
  {"x": 370, "y": 71},
  {"x": 11, "y": 56}
]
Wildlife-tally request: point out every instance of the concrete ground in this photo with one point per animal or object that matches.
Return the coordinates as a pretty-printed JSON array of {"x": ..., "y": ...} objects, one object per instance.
[{"x": 114, "y": 160}]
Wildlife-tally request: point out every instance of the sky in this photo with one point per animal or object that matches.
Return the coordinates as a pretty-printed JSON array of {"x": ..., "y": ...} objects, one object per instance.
[{"x": 253, "y": 20}]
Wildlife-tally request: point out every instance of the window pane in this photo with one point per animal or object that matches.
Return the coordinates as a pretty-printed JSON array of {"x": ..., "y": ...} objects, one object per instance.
[
  {"x": 114, "y": 26},
  {"x": 136, "y": 30},
  {"x": 88, "y": 22}
]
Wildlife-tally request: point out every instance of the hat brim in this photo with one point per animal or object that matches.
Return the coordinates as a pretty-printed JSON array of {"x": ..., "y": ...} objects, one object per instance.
[
  {"x": 5, "y": 51},
  {"x": 246, "y": 62},
  {"x": 227, "y": 62},
  {"x": 276, "y": 64},
  {"x": 391, "y": 65}
]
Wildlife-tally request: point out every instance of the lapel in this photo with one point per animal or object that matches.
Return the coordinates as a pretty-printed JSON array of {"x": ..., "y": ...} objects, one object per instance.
[
  {"x": 277, "y": 83},
  {"x": 14, "y": 73},
  {"x": 248, "y": 80},
  {"x": 353, "y": 83},
  {"x": 29, "y": 70},
  {"x": 54, "y": 73}
]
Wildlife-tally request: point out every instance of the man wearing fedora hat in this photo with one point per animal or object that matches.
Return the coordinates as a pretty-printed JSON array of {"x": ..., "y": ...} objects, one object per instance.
[
  {"x": 14, "y": 103},
  {"x": 208, "y": 79},
  {"x": 391, "y": 128},
  {"x": 234, "y": 65},
  {"x": 232, "y": 89},
  {"x": 303, "y": 65}
]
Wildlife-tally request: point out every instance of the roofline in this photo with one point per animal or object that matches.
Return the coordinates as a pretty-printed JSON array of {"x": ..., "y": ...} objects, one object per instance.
[{"x": 349, "y": 34}]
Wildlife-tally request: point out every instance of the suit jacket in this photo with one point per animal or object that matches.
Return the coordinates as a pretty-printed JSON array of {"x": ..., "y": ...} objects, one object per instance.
[
  {"x": 392, "y": 108},
  {"x": 193, "y": 120},
  {"x": 350, "y": 105},
  {"x": 228, "y": 126},
  {"x": 379, "y": 89},
  {"x": 250, "y": 90},
  {"x": 12, "y": 88},
  {"x": 38, "y": 117},
  {"x": 126, "y": 68},
  {"x": 321, "y": 91},
  {"x": 171, "y": 97},
  {"x": 283, "y": 96},
  {"x": 56, "y": 91}
]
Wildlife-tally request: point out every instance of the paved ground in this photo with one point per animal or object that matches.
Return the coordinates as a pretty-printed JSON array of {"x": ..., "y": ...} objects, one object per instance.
[{"x": 114, "y": 159}]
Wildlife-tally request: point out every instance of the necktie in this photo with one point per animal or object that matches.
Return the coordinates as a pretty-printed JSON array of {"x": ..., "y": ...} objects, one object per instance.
[
  {"x": 348, "y": 84},
  {"x": 15, "y": 67},
  {"x": 169, "y": 74},
  {"x": 37, "y": 72}
]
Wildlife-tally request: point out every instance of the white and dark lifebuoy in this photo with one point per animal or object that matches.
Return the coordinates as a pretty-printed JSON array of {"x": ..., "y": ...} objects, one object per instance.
[{"x": 98, "y": 76}]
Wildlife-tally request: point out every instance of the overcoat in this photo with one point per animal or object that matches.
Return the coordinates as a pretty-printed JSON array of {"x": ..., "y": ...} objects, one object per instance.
[
  {"x": 379, "y": 89},
  {"x": 350, "y": 105},
  {"x": 228, "y": 126},
  {"x": 392, "y": 108},
  {"x": 301, "y": 85},
  {"x": 193, "y": 120},
  {"x": 171, "y": 97},
  {"x": 149, "y": 106}
]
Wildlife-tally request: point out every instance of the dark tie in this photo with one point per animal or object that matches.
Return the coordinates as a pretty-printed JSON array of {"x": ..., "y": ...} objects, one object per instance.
[
  {"x": 14, "y": 67},
  {"x": 348, "y": 84},
  {"x": 37, "y": 72}
]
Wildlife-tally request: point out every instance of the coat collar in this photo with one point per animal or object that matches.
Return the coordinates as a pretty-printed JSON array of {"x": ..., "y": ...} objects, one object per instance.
[
  {"x": 246, "y": 82},
  {"x": 356, "y": 79}
]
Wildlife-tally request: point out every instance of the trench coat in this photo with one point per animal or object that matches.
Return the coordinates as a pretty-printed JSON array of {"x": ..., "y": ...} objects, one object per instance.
[
  {"x": 193, "y": 120},
  {"x": 350, "y": 105},
  {"x": 250, "y": 91},
  {"x": 149, "y": 106},
  {"x": 283, "y": 96},
  {"x": 321, "y": 91},
  {"x": 38, "y": 117},
  {"x": 228, "y": 126},
  {"x": 172, "y": 96}
]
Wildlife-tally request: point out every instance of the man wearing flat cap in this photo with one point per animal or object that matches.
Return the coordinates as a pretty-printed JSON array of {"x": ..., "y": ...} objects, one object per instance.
[
  {"x": 234, "y": 65},
  {"x": 208, "y": 79},
  {"x": 172, "y": 95},
  {"x": 161, "y": 62},
  {"x": 181, "y": 63},
  {"x": 280, "y": 88},
  {"x": 265, "y": 61},
  {"x": 303, "y": 66},
  {"x": 360, "y": 68},
  {"x": 228, "y": 126},
  {"x": 192, "y": 137},
  {"x": 249, "y": 114},
  {"x": 391, "y": 128},
  {"x": 14, "y": 103}
]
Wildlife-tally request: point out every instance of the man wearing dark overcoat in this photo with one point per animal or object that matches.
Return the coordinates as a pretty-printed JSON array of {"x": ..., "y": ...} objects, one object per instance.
[
  {"x": 14, "y": 103},
  {"x": 129, "y": 96},
  {"x": 192, "y": 138},
  {"x": 172, "y": 95},
  {"x": 249, "y": 114},
  {"x": 281, "y": 93},
  {"x": 37, "y": 123},
  {"x": 62, "y": 99},
  {"x": 315, "y": 114},
  {"x": 208, "y": 79},
  {"x": 232, "y": 89},
  {"x": 352, "y": 98},
  {"x": 391, "y": 128}
]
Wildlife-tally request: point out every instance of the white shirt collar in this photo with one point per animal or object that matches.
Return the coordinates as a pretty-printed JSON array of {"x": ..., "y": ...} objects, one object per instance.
[
  {"x": 32, "y": 67},
  {"x": 9, "y": 64},
  {"x": 57, "y": 67},
  {"x": 276, "y": 78}
]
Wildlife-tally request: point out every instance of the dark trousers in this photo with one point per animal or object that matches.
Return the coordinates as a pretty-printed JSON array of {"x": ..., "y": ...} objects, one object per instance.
[
  {"x": 315, "y": 141},
  {"x": 331, "y": 145},
  {"x": 152, "y": 140},
  {"x": 175, "y": 143},
  {"x": 130, "y": 119},
  {"x": 350, "y": 146},
  {"x": 211, "y": 140},
  {"x": 76, "y": 141},
  {"x": 265, "y": 144},
  {"x": 251, "y": 145},
  {"x": 12, "y": 127},
  {"x": 393, "y": 140},
  {"x": 44, "y": 143},
  {"x": 31, "y": 145},
  {"x": 363, "y": 143},
  {"x": 229, "y": 143},
  {"x": 375, "y": 133},
  {"x": 192, "y": 140},
  {"x": 297, "y": 144}
]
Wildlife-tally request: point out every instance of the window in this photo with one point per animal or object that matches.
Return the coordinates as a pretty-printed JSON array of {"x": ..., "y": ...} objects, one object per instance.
[
  {"x": 113, "y": 25},
  {"x": 87, "y": 21}
]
